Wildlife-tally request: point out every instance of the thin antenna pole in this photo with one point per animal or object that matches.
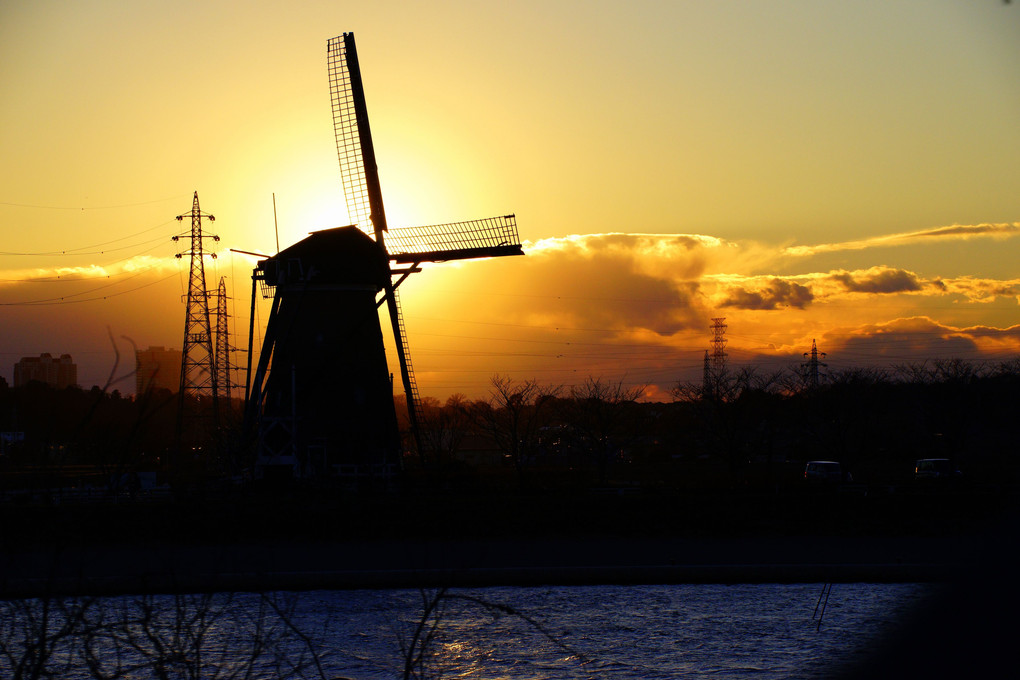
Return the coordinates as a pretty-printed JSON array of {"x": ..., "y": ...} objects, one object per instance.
[
  {"x": 276, "y": 226},
  {"x": 251, "y": 333}
]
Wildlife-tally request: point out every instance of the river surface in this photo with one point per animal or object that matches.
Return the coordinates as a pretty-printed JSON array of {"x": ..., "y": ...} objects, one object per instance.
[
  {"x": 617, "y": 632},
  {"x": 624, "y": 632}
]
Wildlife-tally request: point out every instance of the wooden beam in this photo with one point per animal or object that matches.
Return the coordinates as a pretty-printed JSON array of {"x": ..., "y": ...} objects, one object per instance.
[{"x": 456, "y": 254}]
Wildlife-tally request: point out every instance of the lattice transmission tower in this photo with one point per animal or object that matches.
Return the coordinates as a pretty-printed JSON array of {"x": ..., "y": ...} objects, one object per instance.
[
  {"x": 715, "y": 363},
  {"x": 719, "y": 344},
  {"x": 198, "y": 410},
  {"x": 812, "y": 364},
  {"x": 223, "y": 382}
]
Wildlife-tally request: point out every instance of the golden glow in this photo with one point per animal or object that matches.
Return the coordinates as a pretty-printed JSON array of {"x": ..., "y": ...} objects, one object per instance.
[{"x": 838, "y": 171}]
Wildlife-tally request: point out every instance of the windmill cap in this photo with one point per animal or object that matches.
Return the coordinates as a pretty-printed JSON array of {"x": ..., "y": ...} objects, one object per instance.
[{"x": 340, "y": 256}]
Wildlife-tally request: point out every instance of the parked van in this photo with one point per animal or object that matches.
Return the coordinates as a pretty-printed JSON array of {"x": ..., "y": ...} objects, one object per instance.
[
  {"x": 935, "y": 468},
  {"x": 823, "y": 471}
]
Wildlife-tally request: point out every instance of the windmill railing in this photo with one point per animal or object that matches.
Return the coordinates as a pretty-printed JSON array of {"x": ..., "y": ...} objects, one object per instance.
[
  {"x": 272, "y": 271},
  {"x": 489, "y": 237}
]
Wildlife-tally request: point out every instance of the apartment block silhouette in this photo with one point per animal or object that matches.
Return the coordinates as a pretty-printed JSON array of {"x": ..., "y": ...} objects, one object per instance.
[
  {"x": 59, "y": 373},
  {"x": 157, "y": 368}
]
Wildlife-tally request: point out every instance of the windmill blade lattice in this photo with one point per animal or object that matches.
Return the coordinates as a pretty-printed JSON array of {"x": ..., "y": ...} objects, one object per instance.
[
  {"x": 489, "y": 237},
  {"x": 348, "y": 131}
]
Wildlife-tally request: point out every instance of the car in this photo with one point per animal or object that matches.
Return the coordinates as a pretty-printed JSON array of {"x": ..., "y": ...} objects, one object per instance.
[
  {"x": 823, "y": 471},
  {"x": 935, "y": 469}
]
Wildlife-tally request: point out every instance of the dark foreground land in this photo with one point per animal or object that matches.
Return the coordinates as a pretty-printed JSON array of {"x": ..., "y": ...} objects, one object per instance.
[{"x": 306, "y": 539}]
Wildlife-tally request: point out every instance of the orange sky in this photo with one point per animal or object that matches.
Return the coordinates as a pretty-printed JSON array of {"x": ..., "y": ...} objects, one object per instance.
[{"x": 844, "y": 172}]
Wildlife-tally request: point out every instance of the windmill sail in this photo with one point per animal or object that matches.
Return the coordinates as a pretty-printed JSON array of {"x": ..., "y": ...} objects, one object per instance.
[
  {"x": 489, "y": 237},
  {"x": 360, "y": 177},
  {"x": 358, "y": 170}
]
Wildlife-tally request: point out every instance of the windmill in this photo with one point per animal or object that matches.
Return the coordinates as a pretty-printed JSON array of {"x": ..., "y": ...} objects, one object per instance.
[{"x": 321, "y": 398}]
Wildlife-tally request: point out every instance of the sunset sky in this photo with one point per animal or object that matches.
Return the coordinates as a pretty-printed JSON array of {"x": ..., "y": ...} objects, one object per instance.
[{"x": 841, "y": 171}]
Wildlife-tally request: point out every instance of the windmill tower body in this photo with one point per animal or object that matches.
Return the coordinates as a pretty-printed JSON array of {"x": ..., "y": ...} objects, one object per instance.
[
  {"x": 322, "y": 399},
  {"x": 327, "y": 398}
]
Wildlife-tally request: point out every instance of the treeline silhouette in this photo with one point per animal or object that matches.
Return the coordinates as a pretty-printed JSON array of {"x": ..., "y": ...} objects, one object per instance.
[
  {"x": 98, "y": 440},
  {"x": 741, "y": 426},
  {"x": 738, "y": 427}
]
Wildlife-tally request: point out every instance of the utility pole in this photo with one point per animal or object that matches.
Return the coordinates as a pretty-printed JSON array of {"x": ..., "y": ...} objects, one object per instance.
[
  {"x": 706, "y": 377},
  {"x": 198, "y": 394},
  {"x": 813, "y": 363}
]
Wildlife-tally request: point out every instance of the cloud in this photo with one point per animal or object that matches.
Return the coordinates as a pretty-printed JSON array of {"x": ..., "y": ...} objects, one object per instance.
[
  {"x": 992, "y": 332},
  {"x": 1002, "y": 230},
  {"x": 74, "y": 309},
  {"x": 636, "y": 307},
  {"x": 777, "y": 294},
  {"x": 833, "y": 285},
  {"x": 902, "y": 340},
  {"x": 879, "y": 280},
  {"x": 90, "y": 274},
  {"x": 978, "y": 290},
  {"x": 606, "y": 281},
  {"x": 952, "y": 232},
  {"x": 921, "y": 338}
]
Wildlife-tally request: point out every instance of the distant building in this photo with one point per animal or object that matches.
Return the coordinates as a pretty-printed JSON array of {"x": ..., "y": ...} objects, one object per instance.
[
  {"x": 59, "y": 373},
  {"x": 157, "y": 368}
]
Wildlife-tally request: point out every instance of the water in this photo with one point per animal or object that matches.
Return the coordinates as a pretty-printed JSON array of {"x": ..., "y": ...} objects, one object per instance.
[
  {"x": 626, "y": 632},
  {"x": 619, "y": 632}
]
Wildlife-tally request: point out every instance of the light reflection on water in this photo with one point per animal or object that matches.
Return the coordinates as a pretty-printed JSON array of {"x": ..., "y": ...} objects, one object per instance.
[{"x": 625, "y": 632}]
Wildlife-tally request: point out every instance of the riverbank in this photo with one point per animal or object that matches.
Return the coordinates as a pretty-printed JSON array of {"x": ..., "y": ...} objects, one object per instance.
[
  {"x": 284, "y": 565},
  {"x": 248, "y": 543}
]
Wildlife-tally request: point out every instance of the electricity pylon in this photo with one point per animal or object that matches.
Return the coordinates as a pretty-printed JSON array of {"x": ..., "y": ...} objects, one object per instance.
[
  {"x": 719, "y": 344},
  {"x": 715, "y": 364},
  {"x": 813, "y": 363},
  {"x": 223, "y": 382},
  {"x": 198, "y": 394}
]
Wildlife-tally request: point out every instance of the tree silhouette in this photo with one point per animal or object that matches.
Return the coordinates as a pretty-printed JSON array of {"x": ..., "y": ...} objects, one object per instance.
[
  {"x": 442, "y": 428},
  {"x": 602, "y": 419},
  {"x": 735, "y": 409},
  {"x": 512, "y": 416}
]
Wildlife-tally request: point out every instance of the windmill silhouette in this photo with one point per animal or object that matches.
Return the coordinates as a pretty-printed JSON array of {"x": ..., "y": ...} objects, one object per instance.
[{"x": 321, "y": 399}]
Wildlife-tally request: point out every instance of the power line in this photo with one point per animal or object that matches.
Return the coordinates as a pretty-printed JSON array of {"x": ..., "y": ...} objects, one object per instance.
[
  {"x": 519, "y": 325},
  {"x": 73, "y": 252},
  {"x": 546, "y": 342},
  {"x": 63, "y": 301},
  {"x": 99, "y": 207},
  {"x": 69, "y": 279}
]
